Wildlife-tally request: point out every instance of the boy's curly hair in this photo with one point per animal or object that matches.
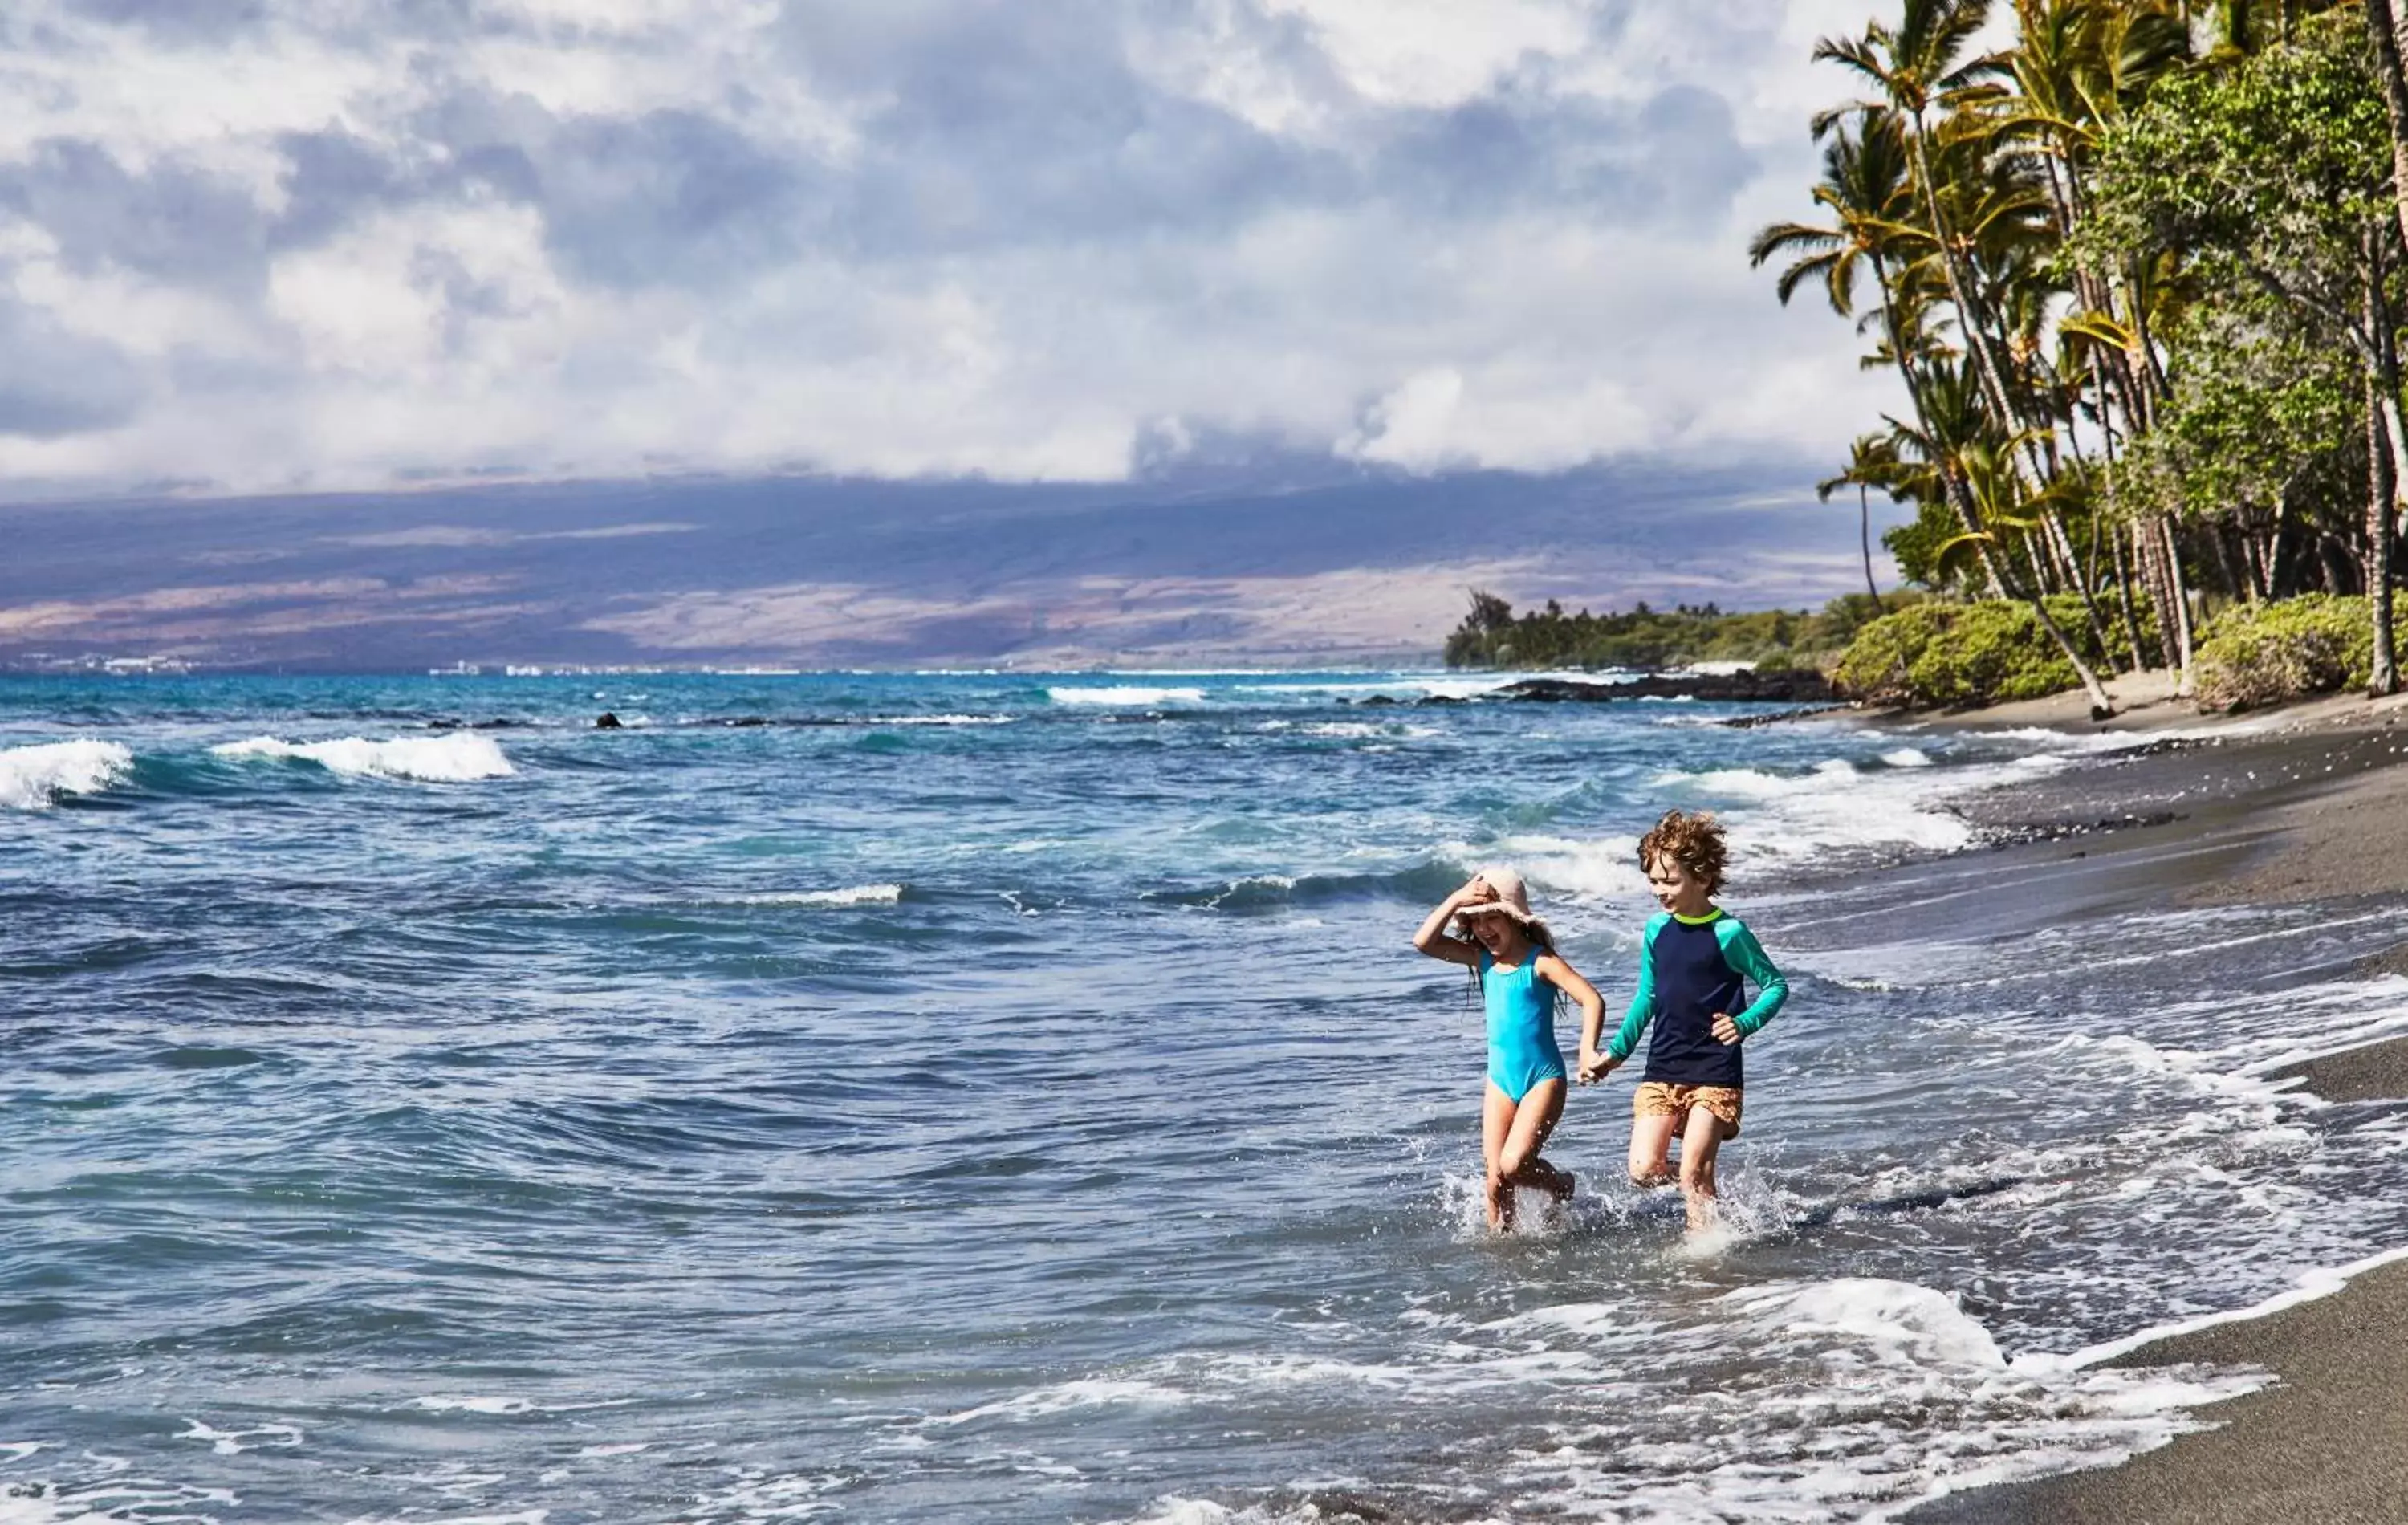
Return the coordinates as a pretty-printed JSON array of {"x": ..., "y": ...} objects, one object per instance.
[{"x": 1695, "y": 841}]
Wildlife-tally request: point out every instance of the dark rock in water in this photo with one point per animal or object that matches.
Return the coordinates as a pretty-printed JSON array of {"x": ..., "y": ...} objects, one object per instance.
[
  {"x": 1749, "y": 722},
  {"x": 1441, "y": 698},
  {"x": 1351, "y": 1506},
  {"x": 2162, "y": 745},
  {"x": 1797, "y": 685},
  {"x": 495, "y": 724},
  {"x": 1376, "y": 701},
  {"x": 608, "y": 722},
  {"x": 747, "y": 720},
  {"x": 2012, "y": 834}
]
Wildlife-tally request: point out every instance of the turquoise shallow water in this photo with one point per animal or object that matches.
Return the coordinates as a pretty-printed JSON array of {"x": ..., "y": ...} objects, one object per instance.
[{"x": 1013, "y": 1098}]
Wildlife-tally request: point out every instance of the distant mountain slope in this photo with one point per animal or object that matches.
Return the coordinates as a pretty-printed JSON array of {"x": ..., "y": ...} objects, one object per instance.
[{"x": 1316, "y": 565}]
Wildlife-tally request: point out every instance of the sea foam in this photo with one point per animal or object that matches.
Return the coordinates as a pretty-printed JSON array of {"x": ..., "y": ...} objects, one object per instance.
[
  {"x": 1889, "y": 1321},
  {"x": 1835, "y": 806},
  {"x": 457, "y": 758},
  {"x": 1125, "y": 694},
  {"x": 851, "y": 895},
  {"x": 34, "y": 777}
]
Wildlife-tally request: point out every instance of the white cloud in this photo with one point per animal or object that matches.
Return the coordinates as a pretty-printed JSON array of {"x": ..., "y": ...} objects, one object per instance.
[
  {"x": 1438, "y": 52},
  {"x": 345, "y": 246}
]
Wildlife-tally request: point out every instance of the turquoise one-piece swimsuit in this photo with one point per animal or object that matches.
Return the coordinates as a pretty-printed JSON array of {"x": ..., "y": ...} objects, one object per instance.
[{"x": 1521, "y": 1026}]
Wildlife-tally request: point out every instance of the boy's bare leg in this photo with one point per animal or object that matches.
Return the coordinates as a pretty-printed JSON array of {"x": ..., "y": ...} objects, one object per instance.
[
  {"x": 1518, "y": 1162},
  {"x": 1700, "y": 1142},
  {"x": 1651, "y": 1141},
  {"x": 1496, "y": 1117}
]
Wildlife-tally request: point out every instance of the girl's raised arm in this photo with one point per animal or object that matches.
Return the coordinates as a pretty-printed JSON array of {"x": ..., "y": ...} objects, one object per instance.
[{"x": 1432, "y": 938}]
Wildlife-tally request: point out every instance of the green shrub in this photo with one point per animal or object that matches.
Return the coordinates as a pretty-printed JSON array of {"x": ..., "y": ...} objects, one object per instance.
[
  {"x": 2264, "y": 654},
  {"x": 1492, "y": 635},
  {"x": 1964, "y": 654},
  {"x": 1877, "y": 663}
]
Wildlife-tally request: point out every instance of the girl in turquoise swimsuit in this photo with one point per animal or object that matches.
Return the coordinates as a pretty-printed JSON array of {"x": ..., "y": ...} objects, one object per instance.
[{"x": 1521, "y": 976}]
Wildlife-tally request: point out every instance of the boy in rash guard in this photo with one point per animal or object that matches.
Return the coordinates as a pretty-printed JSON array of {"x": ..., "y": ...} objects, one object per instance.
[{"x": 1691, "y": 974}]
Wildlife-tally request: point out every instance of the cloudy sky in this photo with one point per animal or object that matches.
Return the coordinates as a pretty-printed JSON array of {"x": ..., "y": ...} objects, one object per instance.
[{"x": 267, "y": 245}]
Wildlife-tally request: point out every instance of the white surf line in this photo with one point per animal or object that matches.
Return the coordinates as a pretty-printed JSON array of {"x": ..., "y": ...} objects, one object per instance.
[
  {"x": 1953, "y": 861},
  {"x": 2312, "y": 1287},
  {"x": 2125, "y": 960},
  {"x": 2321, "y": 924},
  {"x": 2387, "y": 1028}
]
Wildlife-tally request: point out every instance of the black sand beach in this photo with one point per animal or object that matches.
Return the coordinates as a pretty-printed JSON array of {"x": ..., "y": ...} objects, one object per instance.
[
  {"x": 2309, "y": 805},
  {"x": 2326, "y": 1441}
]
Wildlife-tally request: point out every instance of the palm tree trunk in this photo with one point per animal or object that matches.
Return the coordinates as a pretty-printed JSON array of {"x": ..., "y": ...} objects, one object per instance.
[
  {"x": 2115, "y": 538},
  {"x": 2387, "y": 445},
  {"x": 2234, "y": 583},
  {"x": 2100, "y": 705},
  {"x": 1865, "y": 536},
  {"x": 1951, "y": 489},
  {"x": 1973, "y": 317},
  {"x": 2387, "y": 27},
  {"x": 2383, "y": 490},
  {"x": 2123, "y": 598},
  {"x": 1961, "y": 503},
  {"x": 2053, "y": 524},
  {"x": 2149, "y": 552},
  {"x": 2044, "y": 572},
  {"x": 2178, "y": 600}
]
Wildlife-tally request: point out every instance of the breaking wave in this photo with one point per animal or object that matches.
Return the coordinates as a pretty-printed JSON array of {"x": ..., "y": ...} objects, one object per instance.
[
  {"x": 455, "y": 758},
  {"x": 1125, "y": 694},
  {"x": 35, "y": 777}
]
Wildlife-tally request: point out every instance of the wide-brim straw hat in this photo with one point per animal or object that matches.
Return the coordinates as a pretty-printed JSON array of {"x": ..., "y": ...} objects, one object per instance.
[{"x": 1508, "y": 897}]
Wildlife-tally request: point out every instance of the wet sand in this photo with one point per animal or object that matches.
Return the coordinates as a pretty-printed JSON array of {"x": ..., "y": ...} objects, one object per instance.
[
  {"x": 2326, "y": 1441},
  {"x": 2308, "y": 804}
]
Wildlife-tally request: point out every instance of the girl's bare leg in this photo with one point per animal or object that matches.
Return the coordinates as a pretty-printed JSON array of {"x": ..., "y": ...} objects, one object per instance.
[
  {"x": 1511, "y": 1136},
  {"x": 1651, "y": 1141},
  {"x": 1495, "y": 1125},
  {"x": 1542, "y": 1108},
  {"x": 1700, "y": 1142}
]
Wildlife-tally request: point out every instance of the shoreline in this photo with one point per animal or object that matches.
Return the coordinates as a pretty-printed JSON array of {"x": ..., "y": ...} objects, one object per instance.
[{"x": 2307, "y": 803}]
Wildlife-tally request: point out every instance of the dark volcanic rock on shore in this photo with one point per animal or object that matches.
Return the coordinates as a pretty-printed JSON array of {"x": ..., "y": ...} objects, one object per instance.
[{"x": 1801, "y": 685}]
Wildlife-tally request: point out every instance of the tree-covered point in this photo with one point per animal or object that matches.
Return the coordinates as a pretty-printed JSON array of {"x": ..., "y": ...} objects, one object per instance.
[
  {"x": 1492, "y": 636},
  {"x": 2141, "y": 276}
]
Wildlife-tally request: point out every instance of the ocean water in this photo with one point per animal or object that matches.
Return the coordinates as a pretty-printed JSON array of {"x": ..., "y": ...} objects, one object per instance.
[{"x": 1010, "y": 1097}]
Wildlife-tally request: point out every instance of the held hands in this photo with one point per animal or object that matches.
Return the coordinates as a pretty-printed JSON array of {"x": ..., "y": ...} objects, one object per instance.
[
  {"x": 1595, "y": 1065},
  {"x": 1725, "y": 1030}
]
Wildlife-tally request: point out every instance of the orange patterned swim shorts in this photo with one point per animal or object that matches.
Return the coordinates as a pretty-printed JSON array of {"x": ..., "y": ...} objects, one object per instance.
[{"x": 1660, "y": 1099}]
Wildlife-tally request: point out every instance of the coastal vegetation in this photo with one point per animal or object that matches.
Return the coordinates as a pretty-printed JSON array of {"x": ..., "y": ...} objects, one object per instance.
[
  {"x": 2140, "y": 273},
  {"x": 1939, "y": 652},
  {"x": 1492, "y": 636},
  {"x": 2266, "y": 653}
]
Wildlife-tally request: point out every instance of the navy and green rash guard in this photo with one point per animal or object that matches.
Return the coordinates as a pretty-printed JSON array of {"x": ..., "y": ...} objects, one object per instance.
[{"x": 1691, "y": 968}]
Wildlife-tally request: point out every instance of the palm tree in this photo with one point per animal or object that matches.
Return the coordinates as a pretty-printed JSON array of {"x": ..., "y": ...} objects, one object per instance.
[
  {"x": 2386, "y": 27},
  {"x": 1872, "y": 462},
  {"x": 1915, "y": 70},
  {"x": 1866, "y": 185},
  {"x": 1923, "y": 84}
]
